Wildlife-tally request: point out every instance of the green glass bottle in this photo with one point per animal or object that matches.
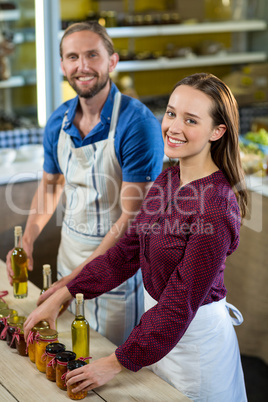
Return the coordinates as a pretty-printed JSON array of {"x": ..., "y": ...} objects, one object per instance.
[
  {"x": 46, "y": 278},
  {"x": 80, "y": 329},
  {"x": 19, "y": 263}
]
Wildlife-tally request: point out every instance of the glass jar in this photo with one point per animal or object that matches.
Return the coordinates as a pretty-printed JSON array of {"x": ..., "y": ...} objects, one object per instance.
[
  {"x": 61, "y": 368},
  {"x": 218, "y": 10},
  {"x": 51, "y": 350},
  {"x": 42, "y": 339},
  {"x": 12, "y": 323},
  {"x": 4, "y": 315},
  {"x": 72, "y": 365},
  {"x": 20, "y": 343},
  {"x": 31, "y": 338}
]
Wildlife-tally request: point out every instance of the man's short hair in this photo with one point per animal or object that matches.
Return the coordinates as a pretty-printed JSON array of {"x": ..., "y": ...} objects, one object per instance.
[{"x": 92, "y": 26}]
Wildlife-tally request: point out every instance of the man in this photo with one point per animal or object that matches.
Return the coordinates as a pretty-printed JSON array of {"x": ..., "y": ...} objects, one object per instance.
[{"x": 104, "y": 149}]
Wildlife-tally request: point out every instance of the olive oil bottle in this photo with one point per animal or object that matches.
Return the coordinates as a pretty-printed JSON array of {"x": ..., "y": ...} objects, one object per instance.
[
  {"x": 46, "y": 278},
  {"x": 80, "y": 329},
  {"x": 19, "y": 263}
]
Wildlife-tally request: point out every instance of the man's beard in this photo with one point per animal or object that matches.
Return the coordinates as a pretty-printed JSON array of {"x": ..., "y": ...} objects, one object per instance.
[{"x": 90, "y": 93}]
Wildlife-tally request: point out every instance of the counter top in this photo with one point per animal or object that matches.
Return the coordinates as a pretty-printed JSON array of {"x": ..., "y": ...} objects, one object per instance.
[
  {"x": 21, "y": 381},
  {"x": 21, "y": 171}
]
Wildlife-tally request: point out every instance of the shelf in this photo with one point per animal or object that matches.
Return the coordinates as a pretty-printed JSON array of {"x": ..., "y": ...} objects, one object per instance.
[
  {"x": 196, "y": 61},
  {"x": 16, "y": 81},
  {"x": 186, "y": 29},
  {"x": 9, "y": 15},
  {"x": 24, "y": 35}
]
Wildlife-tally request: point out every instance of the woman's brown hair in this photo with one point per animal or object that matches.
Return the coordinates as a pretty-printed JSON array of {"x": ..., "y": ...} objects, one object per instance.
[{"x": 225, "y": 151}]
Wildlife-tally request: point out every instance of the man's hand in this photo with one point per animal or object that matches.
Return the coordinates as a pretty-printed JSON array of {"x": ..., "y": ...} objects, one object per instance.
[{"x": 95, "y": 374}]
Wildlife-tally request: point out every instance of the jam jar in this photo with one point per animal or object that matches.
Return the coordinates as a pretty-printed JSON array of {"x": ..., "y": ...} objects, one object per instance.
[
  {"x": 61, "y": 368},
  {"x": 31, "y": 338},
  {"x": 20, "y": 343},
  {"x": 4, "y": 315},
  {"x": 51, "y": 350},
  {"x": 12, "y": 323},
  {"x": 42, "y": 339},
  {"x": 72, "y": 365}
]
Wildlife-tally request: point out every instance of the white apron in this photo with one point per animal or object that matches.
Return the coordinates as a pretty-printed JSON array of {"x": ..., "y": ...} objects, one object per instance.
[
  {"x": 93, "y": 179},
  {"x": 205, "y": 364}
]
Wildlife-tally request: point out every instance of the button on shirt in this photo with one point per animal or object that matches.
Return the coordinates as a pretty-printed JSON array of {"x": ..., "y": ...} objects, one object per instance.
[
  {"x": 138, "y": 140},
  {"x": 180, "y": 239}
]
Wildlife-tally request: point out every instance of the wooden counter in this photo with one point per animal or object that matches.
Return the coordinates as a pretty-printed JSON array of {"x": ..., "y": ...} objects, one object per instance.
[{"x": 21, "y": 381}]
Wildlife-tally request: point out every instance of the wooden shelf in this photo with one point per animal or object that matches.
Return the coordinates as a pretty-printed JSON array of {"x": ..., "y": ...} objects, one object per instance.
[
  {"x": 188, "y": 29},
  {"x": 9, "y": 15},
  {"x": 195, "y": 61}
]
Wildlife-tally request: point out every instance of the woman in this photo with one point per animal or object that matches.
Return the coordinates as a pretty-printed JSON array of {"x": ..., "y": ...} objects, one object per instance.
[{"x": 187, "y": 226}]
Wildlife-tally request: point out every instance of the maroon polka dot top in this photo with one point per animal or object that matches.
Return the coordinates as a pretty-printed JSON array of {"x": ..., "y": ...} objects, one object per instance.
[{"x": 180, "y": 239}]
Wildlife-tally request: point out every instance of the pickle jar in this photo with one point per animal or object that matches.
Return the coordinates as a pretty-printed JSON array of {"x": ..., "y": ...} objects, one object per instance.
[
  {"x": 42, "y": 339},
  {"x": 4, "y": 315},
  {"x": 31, "y": 338},
  {"x": 20, "y": 343},
  {"x": 51, "y": 350},
  {"x": 72, "y": 365},
  {"x": 62, "y": 360},
  {"x": 12, "y": 324}
]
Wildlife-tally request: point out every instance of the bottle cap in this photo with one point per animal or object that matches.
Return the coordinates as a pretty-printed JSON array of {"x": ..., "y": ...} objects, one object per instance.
[
  {"x": 48, "y": 333},
  {"x": 55, "y": 348},
  {"x": 79, "y": 297},
  {"x": 40, "y": 325},
  {"x": 8, "y": 312},
  {"x": 18, "y": 230},
  {"x": 46, "y": 269},
  {"x": 65, "y": 356},
  {"x": 14, "y": 320},
  {"x": 74, "y": 364}
]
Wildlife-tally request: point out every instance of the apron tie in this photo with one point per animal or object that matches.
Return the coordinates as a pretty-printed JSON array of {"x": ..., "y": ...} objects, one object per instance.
[{"x": 238, "y": 319}]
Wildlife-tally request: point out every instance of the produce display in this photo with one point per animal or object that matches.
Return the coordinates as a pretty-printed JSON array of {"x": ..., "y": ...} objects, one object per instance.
[{"x": 259, "y": 137}]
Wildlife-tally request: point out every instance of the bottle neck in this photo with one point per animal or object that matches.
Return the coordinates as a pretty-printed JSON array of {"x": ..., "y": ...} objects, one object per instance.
[
  {"x": 80, "y": 309},
  {"x": 18, "y": 240},
  {"x": 47, "y": 281}
]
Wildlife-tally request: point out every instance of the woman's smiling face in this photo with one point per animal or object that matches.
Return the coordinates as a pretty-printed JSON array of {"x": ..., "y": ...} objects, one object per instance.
[{"x": 187, "y": 126}]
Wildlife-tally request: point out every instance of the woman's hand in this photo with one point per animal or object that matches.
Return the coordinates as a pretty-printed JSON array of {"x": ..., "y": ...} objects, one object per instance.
[
  {"x": 53, "y": 288},
  {"x": 48, "y": 310},
  {"x": 95, "y": 374}
]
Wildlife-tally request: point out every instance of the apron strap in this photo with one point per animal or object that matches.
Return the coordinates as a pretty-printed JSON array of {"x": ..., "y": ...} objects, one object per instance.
[
  {"x": 115, "y": 114},
  {"x": 238, "y": 319}
]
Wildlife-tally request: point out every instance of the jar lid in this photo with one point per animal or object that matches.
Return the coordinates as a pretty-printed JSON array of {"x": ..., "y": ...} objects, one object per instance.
[
  {"x": 8, "y": 312},
  {"x": 55, "y": 348},
  {"x": 48, "y": 333},
  {"x": 3, "y": 305},
  {"x": 65, "y": 356},
  {"x": 15, "y": 320},
  {"x": 40, "y": 325},
  {"x": 20, "y": 326},
  {"x": 74, "y": 364}
]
